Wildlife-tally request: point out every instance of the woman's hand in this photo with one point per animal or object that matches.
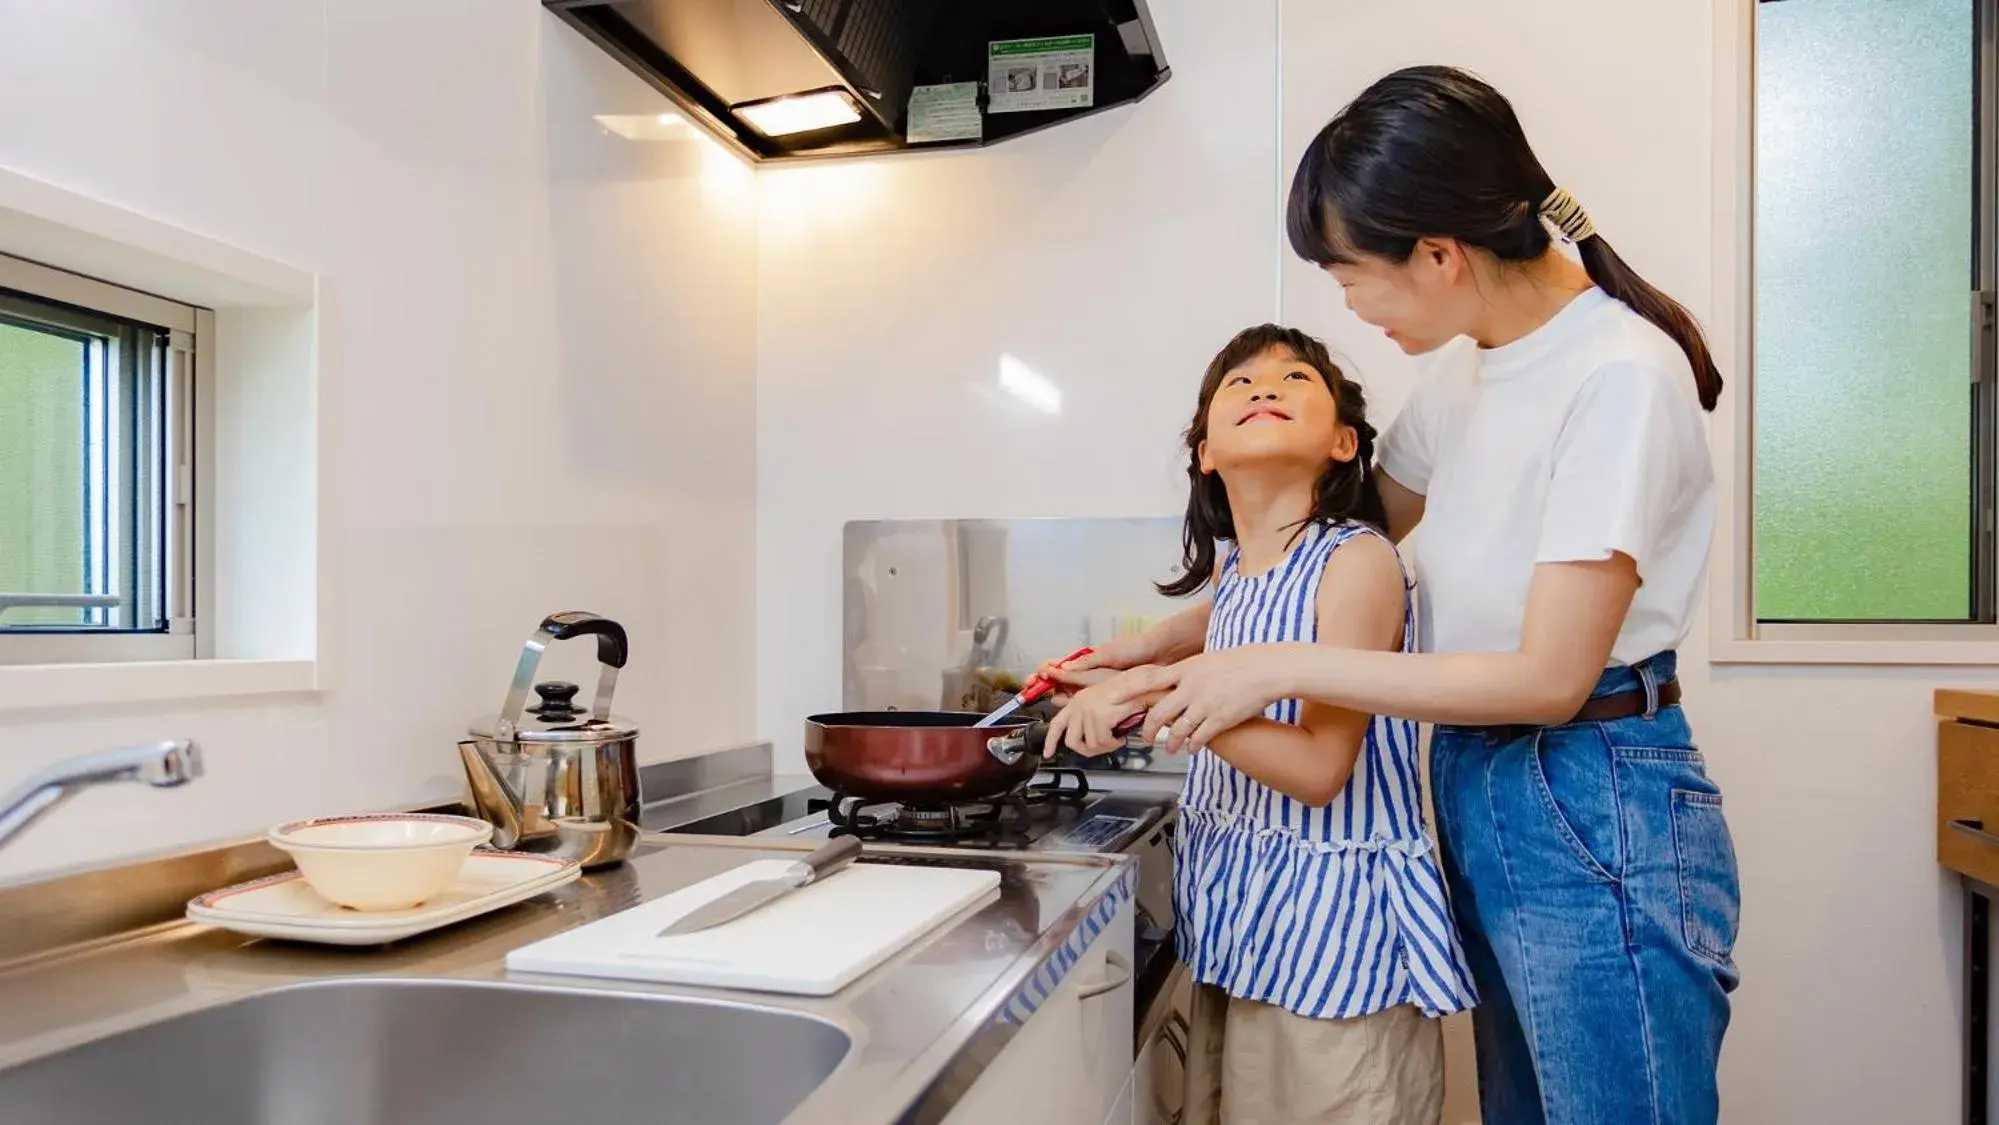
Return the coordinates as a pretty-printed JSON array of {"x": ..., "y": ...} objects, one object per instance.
[
  {"x": 1088, "y": 724},
  {"x": 1180, "y": 635},
  {"x": 1210, "y": 693},
  {"x": 1100, "y": 663}
]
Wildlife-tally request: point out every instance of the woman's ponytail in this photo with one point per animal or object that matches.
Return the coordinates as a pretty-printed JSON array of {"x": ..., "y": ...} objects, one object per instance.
[
  {"x": 1614, "y": 277},
  {"x": 1619, "y": 280}
]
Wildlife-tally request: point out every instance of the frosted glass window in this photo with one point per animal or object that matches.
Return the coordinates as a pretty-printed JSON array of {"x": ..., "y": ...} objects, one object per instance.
[{"x": 1863, "y": 274}]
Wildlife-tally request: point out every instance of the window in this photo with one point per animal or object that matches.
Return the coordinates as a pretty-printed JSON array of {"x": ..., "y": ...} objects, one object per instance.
[
  {"x": 1872, "y": 397},
  {"x": 98, "y": 389}
]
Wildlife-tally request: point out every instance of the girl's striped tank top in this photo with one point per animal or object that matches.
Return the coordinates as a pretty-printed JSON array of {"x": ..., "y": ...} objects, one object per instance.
[{"x": 1330, "y": 912}]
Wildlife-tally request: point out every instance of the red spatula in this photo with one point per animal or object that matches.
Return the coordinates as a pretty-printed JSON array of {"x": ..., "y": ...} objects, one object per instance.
[{"x": 1036, "y": 689}]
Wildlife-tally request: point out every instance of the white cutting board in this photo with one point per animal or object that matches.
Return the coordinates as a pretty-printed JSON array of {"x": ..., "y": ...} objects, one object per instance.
[{"x": 811, "y": 942}]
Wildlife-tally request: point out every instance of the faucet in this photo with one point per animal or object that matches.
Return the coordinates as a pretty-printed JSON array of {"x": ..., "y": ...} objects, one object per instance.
[{"x": 162, "y": 765}]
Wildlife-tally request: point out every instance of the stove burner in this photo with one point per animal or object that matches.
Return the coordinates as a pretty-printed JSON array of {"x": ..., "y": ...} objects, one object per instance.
[
  {"x": 1062, "y": 784},
  {"x": 989, "y": 822},
  {"x": 921, "y": 819}
]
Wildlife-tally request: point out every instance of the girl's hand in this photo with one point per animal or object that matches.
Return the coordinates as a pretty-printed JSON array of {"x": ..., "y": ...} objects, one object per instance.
[
  {"x": 1088, "y": 724},
  {"x": 1210, "y": 693},
  {"x": 1096, "y": 667}
]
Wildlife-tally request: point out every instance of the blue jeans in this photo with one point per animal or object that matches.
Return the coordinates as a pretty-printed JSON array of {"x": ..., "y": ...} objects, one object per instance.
[{"x": 1594, "y": 882}]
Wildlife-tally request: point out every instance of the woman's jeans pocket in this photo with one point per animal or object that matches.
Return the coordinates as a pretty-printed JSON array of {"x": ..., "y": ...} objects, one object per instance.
[
  {"x": 1575, "y": 780},
  {"x": 1710, "y": 891}
]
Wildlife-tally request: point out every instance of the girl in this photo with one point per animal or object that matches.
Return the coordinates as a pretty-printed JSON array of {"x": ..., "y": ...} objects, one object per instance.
[
  {"x": 1309, "y": 908},
  {"x": 1559, "y": 468}
]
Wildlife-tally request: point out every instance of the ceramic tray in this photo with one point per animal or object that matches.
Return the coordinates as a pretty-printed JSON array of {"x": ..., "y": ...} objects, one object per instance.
[{"x": 283, "y": 906}]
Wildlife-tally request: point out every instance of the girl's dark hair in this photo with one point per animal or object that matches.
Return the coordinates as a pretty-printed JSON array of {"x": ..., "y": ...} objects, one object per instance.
[
  {"x": 1346, "y": 490},
  {"x": 1434, "y": 152}
]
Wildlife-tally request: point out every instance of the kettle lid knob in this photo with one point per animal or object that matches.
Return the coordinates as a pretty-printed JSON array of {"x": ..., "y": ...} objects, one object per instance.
[{"x": 557, "y": 700}]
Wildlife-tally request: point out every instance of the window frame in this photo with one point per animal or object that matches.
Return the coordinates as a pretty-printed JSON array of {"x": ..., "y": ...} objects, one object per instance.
[
  {"x": 185, "y": 527},
  {"x": 1734, "y": 634}
]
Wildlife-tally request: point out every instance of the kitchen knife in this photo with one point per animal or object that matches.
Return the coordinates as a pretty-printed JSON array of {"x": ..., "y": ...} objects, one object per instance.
[
  {"x": 1032, "y": 692},
  {"x": 733, "y": 904}
]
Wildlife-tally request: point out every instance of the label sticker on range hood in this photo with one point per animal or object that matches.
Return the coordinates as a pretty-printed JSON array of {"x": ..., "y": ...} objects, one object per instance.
[
  {"x": 1030, "y": 74},
  {"x": 949, "y": 112}
]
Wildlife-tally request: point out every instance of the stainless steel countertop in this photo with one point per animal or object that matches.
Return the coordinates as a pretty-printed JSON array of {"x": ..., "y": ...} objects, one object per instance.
[
  {"x": 662, "y": 815},
  {"x": 924, "y": 1025}
]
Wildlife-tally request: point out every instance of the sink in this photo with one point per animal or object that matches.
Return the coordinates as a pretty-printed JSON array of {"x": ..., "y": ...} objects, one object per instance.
[{"x": 432, "y": 1052}]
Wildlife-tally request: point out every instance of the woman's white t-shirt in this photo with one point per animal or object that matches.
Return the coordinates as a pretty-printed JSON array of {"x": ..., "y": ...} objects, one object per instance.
[{"x": 1580, "y": 439}]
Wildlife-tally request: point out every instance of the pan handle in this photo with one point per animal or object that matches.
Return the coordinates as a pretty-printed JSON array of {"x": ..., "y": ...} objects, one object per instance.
[
  {"x": 1033, "y": 739},
  {"x": 1010, "y": 747}
]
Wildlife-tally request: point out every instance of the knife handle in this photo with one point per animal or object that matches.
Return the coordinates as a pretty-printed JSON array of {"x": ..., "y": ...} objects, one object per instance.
[{"x": 830, "y": 857}]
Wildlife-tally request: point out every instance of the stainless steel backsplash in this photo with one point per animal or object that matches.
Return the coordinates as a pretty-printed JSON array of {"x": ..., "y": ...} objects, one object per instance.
[{"x": 917, "y": 591}]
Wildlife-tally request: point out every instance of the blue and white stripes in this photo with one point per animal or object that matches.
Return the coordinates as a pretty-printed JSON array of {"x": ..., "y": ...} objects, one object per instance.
[
  {"x": 1331, "y": 912},
  {"x": 1049, "y": 977}
]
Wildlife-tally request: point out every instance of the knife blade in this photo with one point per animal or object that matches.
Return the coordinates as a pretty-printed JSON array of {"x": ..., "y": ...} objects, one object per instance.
[{"x": 738, "y": 901}]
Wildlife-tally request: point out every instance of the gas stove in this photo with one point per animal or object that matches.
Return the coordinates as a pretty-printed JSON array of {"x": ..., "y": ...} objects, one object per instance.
[{"x": 1057, "y": 812}]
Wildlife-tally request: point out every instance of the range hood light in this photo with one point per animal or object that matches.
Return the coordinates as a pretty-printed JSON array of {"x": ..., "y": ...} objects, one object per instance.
[{"x": 799, "y": 113}]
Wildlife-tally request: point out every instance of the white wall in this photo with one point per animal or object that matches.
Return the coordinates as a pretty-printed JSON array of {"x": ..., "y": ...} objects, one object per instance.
[
  {"x": 1114, "y": 256},
  {"x": 497, "y": 272},
  {"x": 1111, "y": 257},
  {"x": 536, "y": 365}
]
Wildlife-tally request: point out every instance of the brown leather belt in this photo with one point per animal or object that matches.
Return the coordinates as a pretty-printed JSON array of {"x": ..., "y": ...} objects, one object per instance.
[{"x": 1602, "y": 709}]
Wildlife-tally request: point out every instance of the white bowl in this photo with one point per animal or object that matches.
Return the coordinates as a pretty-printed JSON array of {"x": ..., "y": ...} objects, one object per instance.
[{"x": 384, "y": 861}]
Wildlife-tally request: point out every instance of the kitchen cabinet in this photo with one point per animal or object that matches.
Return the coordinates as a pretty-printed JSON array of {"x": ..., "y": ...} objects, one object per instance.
[
  {"x": 1124, "y": 1110},
  {"x": 1160, "y": 1076},
  {"x": 1968, "y": 784},
  {"x": 1070, "y": 1063},
  {"x": 1967, "y": 842}
]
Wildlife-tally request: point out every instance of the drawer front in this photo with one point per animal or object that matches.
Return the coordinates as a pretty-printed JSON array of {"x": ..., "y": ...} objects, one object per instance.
[
  {"x": 1068, "y": 1064},
  {"x": 1968, "y": 790}
]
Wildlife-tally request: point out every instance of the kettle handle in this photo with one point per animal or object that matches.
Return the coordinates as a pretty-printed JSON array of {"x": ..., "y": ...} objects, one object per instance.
[
  {"x": 611, "y": 645},
  {"x": 612, "y": 650}
]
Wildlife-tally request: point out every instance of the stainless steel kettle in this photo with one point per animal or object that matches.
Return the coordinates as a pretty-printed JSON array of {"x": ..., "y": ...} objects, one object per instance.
[{"x": 553, "y": 778}]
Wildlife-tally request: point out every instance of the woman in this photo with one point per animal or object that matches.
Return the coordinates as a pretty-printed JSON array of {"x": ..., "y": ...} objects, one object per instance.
[{"x": 1559, "y": 470}]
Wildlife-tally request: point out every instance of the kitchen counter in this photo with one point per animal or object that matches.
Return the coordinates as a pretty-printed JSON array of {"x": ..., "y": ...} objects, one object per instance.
[
  {"x": 923, "y": 1025},
  {"x": 661, "y": 816}
]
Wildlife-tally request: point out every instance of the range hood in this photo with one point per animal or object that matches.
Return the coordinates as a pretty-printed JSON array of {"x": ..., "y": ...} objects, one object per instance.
[{"x": 794, "y": 79}]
